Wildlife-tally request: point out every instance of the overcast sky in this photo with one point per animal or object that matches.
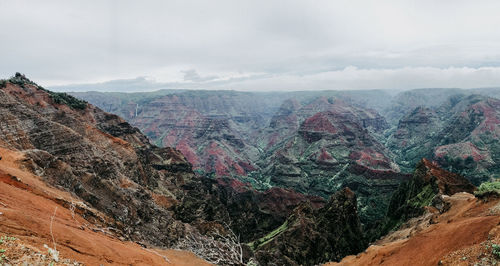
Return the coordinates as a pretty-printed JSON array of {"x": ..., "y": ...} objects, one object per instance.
[{"x": 252, "y": 45}]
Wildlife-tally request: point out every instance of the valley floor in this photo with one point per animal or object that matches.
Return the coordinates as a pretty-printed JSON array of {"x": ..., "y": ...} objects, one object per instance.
[
  {"x": 33, "y": 215},
  {"x": 464, "y": 235}
]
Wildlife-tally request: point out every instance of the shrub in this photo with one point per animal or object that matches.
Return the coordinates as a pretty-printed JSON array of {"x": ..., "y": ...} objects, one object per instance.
[
  {"x": 64, "y": 98},
  {"x": 488, "y": 189},
  {"x": 495, "y": 250},
  {"x": 58, "y": 97},
  {"x": 21, "y": 80}
]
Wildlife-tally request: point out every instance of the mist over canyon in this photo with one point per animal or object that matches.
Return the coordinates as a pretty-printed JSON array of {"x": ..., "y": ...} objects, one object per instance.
[
  {"x": 268, "y": 178},
  {"x": 322, "y": 141}
]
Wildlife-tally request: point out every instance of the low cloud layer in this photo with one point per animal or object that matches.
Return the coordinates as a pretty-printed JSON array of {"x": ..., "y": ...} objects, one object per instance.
[
  {"x": 350, "y": 78},
  {"x": 252, "y": 45}
]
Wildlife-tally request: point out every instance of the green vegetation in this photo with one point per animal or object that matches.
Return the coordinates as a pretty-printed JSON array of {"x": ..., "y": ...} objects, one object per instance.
[
  {"x": 3, "y": 240},
  {"x": 266, "y": 239},
  {"x": 457, "y": 164},
  {"x": 58, "y": 97},
  {"x": 256, "y": 180},
  {"x": 495, "y": 250},
  {"x": 21, "y": 80},
  {"x": 64, "y": 98},
  {"x": 488, "y": 188},
  {"x": 424, "y": 198},
  {"x": 6, "y": 238},
  {"x": 407, "y": 202}
]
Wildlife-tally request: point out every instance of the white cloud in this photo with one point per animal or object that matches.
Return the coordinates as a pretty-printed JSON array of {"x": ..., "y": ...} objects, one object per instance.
[
  {"x": 349, "y": 78},
  {"x": 58, "y": 42},
  {"x": 357, "y": 78}
]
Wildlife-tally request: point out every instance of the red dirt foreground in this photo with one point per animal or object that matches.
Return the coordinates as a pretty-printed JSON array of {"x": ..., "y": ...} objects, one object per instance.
[
  {"x": 30, "y": 210},
  {"x": 464, "y": 235}
]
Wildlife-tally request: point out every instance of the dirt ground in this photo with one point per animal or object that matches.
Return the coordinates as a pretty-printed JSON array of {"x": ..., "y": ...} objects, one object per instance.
[
  {"x": 457, "y": 237},
  {"x": 32, "y": 219}
]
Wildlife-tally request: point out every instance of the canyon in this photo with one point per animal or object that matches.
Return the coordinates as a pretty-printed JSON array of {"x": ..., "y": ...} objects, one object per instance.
[
  {"x": 317, "y": 142},
  {"x": 234, "y": 178}
]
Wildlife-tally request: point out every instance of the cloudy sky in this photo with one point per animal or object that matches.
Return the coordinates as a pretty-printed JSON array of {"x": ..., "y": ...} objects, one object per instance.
[{"x": 251, "y": 45}]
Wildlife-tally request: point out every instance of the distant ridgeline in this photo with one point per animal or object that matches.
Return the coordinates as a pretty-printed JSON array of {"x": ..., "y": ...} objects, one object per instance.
[
  {"x": 299, "y": 177},
  {"x": 317, "y": 142}
]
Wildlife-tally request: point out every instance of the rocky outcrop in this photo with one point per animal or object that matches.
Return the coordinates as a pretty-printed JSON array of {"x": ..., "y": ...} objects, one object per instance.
[
  {"x": 251, "y": 214},
  {"x": 98, "y": 157},
  {"x": 332, "y": 150},
  {"x": 428, "y": 185},
  {"x": 410, "y": 142},
  {"x": 461, "y": 135},
  {"x": 150, "y": 194},
  {"x": 214, "y": 130},
  {"x": 463, "y": 235},
  {"x": 313, "y": 236},
  {"x": 293, "y": 113},
  {"x": 35, "y": 215}
]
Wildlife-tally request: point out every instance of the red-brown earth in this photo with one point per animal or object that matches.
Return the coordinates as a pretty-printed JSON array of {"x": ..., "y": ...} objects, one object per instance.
[
  {"x": 37, "y": 215},
  {"x": 456, "y": 237}
]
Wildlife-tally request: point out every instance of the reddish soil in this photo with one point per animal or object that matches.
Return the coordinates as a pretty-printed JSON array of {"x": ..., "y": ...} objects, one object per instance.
[
  {"x": 27, "y": 206},
  {"x": 467, "y": 224}
]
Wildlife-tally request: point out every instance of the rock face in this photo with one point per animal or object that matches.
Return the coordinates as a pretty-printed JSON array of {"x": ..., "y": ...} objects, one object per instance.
[
  {"x": 426, "y": 188},
  {"x": 411, "y": 140},
  {"x": 461, "y": 135},
  {"x": 463, "y": 235},
  {"x": 97, "y": 156},
  {"x": 225, "y": 133},
  {"x": 332, "y": 150},
  {"x": 215, "y": 130},
  {"x": 311, "y": 237},
  {"x": 315, "y": 143},
  {"x": 234, "y": 133},
  {"x": 293, "y": 113},
  {"x": 150, "y": 194},
  {"x": 251, "y": 214}
]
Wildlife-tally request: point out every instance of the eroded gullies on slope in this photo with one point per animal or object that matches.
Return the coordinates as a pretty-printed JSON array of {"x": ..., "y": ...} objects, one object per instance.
[
  {"x": 288, "y": 139},
  {"x": 328, "y": 141},
  {"x": 144, "y": 193},
  {"x": 36, "y": 216}
]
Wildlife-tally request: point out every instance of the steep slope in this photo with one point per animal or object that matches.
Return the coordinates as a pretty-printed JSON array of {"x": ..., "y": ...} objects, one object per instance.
[
  {"x": 464, "y": 235},
  {"x": 332, "y": 150},
  {"x": 219, "y": 132},
  {"x": 310, "y": 236},
  {"x": 428, "y": 185},
  {"x": 250, "y": 213},
  {"x": 435, "y": 215},
  {"x": 471, "y": 140},
  {"x": 97, "y": 156},
  {"x": 413, "y": 138},
  {"x": 461, "y": 135},
  {"x": 292, "y": 113},
  {"x": 36, "y": 214},
  {"x": 118, "y": 183},
  {"x": 406, "y": 101},
  {"x": 214, "y": 130}
]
